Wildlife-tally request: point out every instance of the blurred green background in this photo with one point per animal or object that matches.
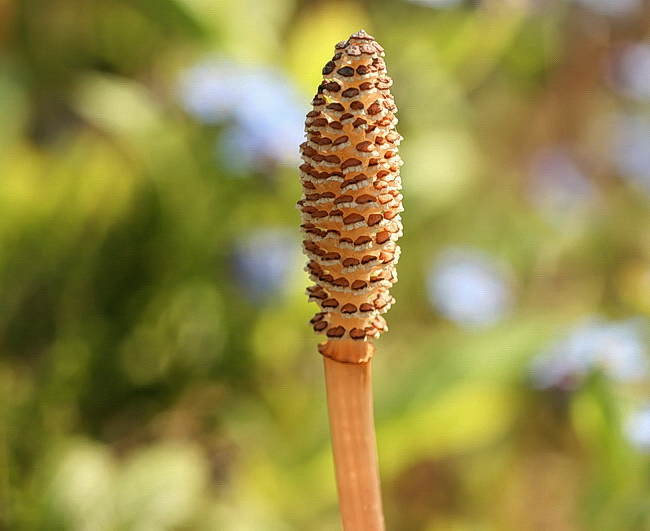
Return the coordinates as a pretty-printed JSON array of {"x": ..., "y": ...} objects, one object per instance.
[{"x": 157, "y": 371}]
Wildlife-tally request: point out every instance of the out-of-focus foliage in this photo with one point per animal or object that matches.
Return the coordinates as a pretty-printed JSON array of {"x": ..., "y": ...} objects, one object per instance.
[{"x": 156, "y": 367}]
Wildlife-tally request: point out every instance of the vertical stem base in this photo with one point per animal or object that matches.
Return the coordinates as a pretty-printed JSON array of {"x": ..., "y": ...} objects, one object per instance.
[{"x": 349, "y": 399}]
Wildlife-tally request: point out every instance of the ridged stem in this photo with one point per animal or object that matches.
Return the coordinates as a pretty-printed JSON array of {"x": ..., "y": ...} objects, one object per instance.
[{"x": 349, "y": 399}]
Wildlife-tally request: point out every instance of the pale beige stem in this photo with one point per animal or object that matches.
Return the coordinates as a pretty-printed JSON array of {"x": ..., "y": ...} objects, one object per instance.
[{"x": 349, "y": 399}]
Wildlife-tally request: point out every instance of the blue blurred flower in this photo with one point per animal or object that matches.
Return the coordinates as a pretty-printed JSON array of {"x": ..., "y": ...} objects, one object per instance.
[
  {"x": 209, "y": 90},
  {"x": 619, "y": 349},
  {"x": 258, "y": 106},
  {"x": 637, "y": 429},
  {"x": 632, "y": 71},
  {"x": 615, "y": 8},
  {"x": 631, "y": 149},
  {"x": 558, "y": 188},
  {"x": 470, "y": 288},
  {"x": 262, "y": 263}
]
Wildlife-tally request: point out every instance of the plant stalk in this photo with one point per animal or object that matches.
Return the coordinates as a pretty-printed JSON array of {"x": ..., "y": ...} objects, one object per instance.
[{"x": 349, "y": 400}]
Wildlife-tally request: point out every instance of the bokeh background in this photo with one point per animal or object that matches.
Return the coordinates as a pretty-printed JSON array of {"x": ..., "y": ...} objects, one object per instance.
[{"x": 157, "y": 371}]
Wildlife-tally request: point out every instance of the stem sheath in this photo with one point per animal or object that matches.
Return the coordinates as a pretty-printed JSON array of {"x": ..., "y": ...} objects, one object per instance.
[{"x": 349, "y": 399}]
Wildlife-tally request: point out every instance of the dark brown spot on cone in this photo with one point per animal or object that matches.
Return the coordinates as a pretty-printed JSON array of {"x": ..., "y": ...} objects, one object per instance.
[
  {"x": 329, "y": 68},
  {"x": 352, "y": 92},
  {"x": 350, "y": 262},
  {"x": 359, "y": 284},
  {"x": 338, "y": 331},
  {"x": 330, "y": 303},
  {"x": 352, "y": 218},
  {"x": 373, "y": 219},
  {"x": 382, "y": 237},
  {"x": 366, "y": 146},
  {"x": 350, "y": 163},
  {"x": 343, "y": 199}
]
